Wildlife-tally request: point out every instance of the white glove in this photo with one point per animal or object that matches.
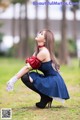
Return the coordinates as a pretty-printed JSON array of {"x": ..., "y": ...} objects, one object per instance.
[{"x": 10, "y": 83}]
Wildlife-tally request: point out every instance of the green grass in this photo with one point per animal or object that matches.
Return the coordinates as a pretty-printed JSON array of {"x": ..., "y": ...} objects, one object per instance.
[{"x": 22, "y": 100}]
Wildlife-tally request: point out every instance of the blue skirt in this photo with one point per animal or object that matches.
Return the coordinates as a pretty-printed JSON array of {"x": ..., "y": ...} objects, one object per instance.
[{"x": 52, "y": 86}]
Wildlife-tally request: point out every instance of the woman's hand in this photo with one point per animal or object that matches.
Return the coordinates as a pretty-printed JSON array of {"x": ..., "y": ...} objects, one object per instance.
[{"x": 10, "y": 83}]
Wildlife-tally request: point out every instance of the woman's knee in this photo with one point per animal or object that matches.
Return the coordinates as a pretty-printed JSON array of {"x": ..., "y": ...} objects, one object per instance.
[{"x": 25, "y": 78}]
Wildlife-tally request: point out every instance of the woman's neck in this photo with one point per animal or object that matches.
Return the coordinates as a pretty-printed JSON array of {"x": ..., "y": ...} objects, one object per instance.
[{"x": 41, "y": 46}]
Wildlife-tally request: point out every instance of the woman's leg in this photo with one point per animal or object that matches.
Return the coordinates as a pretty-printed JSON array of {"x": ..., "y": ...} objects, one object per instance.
[
  {"x": 44, "y": 98},
  {"x": 26, "y": 81}
]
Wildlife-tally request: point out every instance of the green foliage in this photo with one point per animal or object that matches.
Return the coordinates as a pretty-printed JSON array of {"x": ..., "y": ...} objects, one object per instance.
[
  {"x": 1, "y": 24},
  {"x": 71, "y": 47},
  {"x": 1, "y": 40},
  {"x": 32, "y": 45},
  {"x": 18, "y": 1},
  {"x": 11, "y": 51},
  {"x": 56, "y": 47},
  {"x": 75, "y": 0},
  {"x": 75, "y": 4},
  {"x": 1, "y": 37}
]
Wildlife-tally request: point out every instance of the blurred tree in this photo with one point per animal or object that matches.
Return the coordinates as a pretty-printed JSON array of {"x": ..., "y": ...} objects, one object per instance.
[
  {"x": 20, "y": 36},
  {"x": 63, "y": 55},
  {"x": 13, "y": 2},
  {"x": 1, "y": 24},
  {"x": 3, "y": 6},
  {"x": 23, "y": 47},
  {"x": 1, "y": 39},
  {"x": 13, "y": 20},
  {"x": 26, "y": 39},
  {"x": 72, "y": 47},
  {"x": 36, "y": 18},
  {"x": 47, "y": 14},
  {"x": 74, "y": 8}
]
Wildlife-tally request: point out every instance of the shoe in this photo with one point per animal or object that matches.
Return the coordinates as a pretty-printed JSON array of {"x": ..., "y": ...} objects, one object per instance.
[{"x": 44, "y": 102}]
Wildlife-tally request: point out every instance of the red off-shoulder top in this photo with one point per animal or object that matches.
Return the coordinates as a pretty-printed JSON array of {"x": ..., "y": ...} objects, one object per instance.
[{"x": 34, "y": 62}]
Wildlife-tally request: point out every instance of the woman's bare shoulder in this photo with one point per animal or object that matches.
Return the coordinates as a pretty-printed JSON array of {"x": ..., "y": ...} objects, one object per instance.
[
  {"x": 44, "y": 51},
  {"x": 43, "y": 54}
]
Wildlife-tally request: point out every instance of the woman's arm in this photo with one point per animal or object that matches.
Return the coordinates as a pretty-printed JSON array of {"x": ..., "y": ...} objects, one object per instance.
[
  {"x": 23, "y": 71},
  {"x": 11, "y": 82}
]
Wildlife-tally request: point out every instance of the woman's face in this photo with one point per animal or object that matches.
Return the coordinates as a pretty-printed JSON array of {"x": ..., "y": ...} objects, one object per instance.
[{"x": 40, "y": 37}]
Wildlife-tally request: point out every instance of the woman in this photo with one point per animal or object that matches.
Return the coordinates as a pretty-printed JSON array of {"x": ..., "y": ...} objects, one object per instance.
[{"x": 49, "y": 85}]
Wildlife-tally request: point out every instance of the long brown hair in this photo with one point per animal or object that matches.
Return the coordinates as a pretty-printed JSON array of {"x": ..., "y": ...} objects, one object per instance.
[{"x": 49, "y": 44}]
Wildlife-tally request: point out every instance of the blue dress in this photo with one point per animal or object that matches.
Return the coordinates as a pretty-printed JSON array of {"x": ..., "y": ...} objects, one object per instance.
[{"x": 50, "y": 82}]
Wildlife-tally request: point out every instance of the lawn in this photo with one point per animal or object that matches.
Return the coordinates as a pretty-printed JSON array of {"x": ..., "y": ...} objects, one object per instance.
[{"x": 22, "y": 100}]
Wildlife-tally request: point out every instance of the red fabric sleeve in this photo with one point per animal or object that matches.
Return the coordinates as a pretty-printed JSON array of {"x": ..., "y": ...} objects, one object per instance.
[{"x": 34, "y": 62}]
